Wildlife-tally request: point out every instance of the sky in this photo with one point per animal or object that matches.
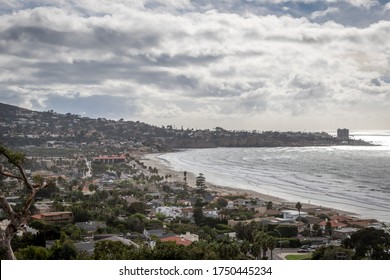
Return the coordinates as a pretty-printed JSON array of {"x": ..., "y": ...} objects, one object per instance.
[{"x": 238, "y": 64}]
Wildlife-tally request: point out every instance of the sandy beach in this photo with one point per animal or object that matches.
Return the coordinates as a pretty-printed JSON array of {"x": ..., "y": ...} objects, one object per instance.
[{"x": 164, "y": 169}]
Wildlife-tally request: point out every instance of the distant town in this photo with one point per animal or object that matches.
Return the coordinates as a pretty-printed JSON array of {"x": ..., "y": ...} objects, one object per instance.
[
  {"x": 84, "y": 191},
  {"x": 22, "y": 127}
]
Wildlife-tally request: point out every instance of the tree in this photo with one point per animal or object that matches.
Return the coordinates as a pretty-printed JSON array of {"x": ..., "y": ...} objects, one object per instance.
[
  {"x": 201, "y": 183},
  {"x": 185, "y": 177},
  {"x": 18, "y": 219},
  {"x": 328, "y": 229},
  {"x": 198, "y": 215},
  {"x": 287, "y": 230},
  {"x": 80, "y": 214},
  {"x": 137, "y": 207},
  {"x": 247, "y": 231},
  {"x": 270, "y": 244},
  {"x": 261, "y": 238},
  {"x": 221, "y": 202},
  {"x": 332, "y": 253},
  {"x": 33, "y": 253},
  {"x": 299, "y": 207},
  {"x": 111, "y": 250},
  {"x": 63, "y": 249},
  {"x": 369, "y": 243}
]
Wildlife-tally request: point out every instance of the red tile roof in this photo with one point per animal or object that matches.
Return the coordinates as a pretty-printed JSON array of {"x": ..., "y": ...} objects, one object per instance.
[
  {"x": 333, "y": 223},
  {"x": 177, "y": 239}
]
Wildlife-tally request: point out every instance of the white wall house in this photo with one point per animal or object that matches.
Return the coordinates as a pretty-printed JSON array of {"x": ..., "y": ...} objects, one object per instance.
[
  {"x": 170, "y": 211},
  {"x": 292, "y": 214}
]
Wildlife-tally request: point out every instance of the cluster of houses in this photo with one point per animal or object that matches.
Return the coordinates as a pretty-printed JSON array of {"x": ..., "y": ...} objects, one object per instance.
[{"x": 342, "y": 226}]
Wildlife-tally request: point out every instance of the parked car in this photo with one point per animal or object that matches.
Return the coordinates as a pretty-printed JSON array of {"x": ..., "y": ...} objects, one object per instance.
[{"x": 303, "y": 250}]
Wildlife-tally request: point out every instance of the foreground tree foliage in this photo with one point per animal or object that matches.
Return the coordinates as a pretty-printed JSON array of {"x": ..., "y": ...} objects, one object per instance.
[
  {"x": 18, "y": 219},
  {"x": 332, "y": 253},
  {"x": 369, "y": 243},
  {"x": 224, "y": 249}
]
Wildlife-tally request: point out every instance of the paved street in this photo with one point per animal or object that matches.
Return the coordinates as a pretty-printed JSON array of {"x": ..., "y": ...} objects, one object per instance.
[{"x": 280, "y": 254}]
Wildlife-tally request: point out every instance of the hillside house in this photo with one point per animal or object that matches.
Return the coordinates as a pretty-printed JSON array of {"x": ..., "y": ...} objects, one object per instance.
[{"x": 54, "y": 217}]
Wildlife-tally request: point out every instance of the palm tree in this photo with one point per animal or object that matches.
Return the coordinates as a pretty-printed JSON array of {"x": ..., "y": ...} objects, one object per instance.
[
  {"x": 185, "y": 177},
  {"x": 299, "y": 207},
  {"x": 271, "y": 244},
  {"x": 260, "y": 241}
]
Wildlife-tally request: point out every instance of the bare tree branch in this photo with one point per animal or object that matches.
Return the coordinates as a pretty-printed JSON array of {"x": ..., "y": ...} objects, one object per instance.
[
  {"x": 6, "y": 206},
  {"x": 19, "y": 218},
  {"x": 16, "y": 159},
  {"x": 10, "y": 175}
]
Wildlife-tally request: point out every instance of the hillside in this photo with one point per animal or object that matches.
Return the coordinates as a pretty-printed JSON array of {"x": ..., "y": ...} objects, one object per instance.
[{"x": 21, "y": 127}]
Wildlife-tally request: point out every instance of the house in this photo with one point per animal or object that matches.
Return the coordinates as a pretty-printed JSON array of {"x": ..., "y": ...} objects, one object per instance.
[
  {"x": 187, "y": 212},
  {"x": 86, "y": 191},
  {"x": 172, "y": 212},
  {"x": 176, "y": 239},
  {"x": 54, "y": 217},
  {"x": 159, "y": 233},
  {"x": 184, "y": 202},
  {"x": 110, "y": 159},
  {"x": 124, "y": 241},
  {"x": 91, "y": 226},
  {"x": 155, "y": 203},
  {"x": 259, "y": 208},
  {"x": 230, "y": 205},
  {"x": 300, "y": 226},
  {"x": 363, "y": 223},
  {"x": 130, "y": 199},
  {"x": 345, "y": 232},
  {"x": 242, "y": 202},
  {"x": 89, "y": 247},
  {"x": 341, "y": 218},
  {"x": 319, "y": 211},
  {"x": 272, "y": 212},
  {"x": 333, "y": 223},
  {"x": 292, "y": 214},
  {"x": 44, "y": 206},
  {"x": 311, "y": 221},
  {"x": 211, "y": 213},
  {"x": 183, "y": 239},
  {"x": 189, "y": 236}
]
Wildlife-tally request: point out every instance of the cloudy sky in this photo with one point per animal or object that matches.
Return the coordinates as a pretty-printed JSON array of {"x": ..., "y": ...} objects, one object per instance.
[{"x": 239, "y": 64}]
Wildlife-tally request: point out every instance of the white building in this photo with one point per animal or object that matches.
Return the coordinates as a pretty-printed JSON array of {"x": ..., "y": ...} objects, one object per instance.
[
  {"x": 190, "y": 236},
  {"x": 292, "y": 214},
  {"x": 173, "y": 211}
]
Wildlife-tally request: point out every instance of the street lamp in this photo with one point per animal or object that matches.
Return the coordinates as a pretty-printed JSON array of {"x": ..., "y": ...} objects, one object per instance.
[{"x": 280, "y": 236}]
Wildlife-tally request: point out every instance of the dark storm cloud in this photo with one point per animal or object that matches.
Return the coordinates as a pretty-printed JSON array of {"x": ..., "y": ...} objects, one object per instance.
[{"x": 98, "y": 38}]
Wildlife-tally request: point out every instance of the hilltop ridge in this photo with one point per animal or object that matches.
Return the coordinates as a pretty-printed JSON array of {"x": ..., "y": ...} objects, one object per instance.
[{"x": 21, "y": 127}]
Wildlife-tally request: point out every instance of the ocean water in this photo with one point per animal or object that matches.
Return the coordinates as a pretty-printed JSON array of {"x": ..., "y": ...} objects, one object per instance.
[{"x": 350, "y": 178}]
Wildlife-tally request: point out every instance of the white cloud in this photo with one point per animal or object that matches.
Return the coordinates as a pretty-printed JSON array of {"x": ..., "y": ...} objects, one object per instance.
[
  {"x": 319, "y": 14},
  {"x": 202, "y": 68},
  {"x": 363, "y": 3}
]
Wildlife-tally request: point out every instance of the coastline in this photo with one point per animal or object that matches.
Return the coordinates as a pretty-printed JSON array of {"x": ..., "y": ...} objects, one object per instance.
[{"x": 165, "y": 169}]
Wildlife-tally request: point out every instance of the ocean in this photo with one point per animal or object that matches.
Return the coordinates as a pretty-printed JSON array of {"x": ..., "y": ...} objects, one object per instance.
[{"x": 350, "y": 178}]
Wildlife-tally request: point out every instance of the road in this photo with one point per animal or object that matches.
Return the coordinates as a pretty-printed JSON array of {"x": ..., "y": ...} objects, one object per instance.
[{"x": 280, "y": 254}]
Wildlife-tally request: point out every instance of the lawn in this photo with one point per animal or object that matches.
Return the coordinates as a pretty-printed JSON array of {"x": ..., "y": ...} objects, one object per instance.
[{"x": 298, "y": 257}]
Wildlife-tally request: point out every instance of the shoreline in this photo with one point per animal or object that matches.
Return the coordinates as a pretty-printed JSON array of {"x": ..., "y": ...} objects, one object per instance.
[{"x": 164, "y": 169}]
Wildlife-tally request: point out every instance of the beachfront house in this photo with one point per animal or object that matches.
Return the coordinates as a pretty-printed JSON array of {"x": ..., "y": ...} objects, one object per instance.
[{"x": 292, "y": 215}]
